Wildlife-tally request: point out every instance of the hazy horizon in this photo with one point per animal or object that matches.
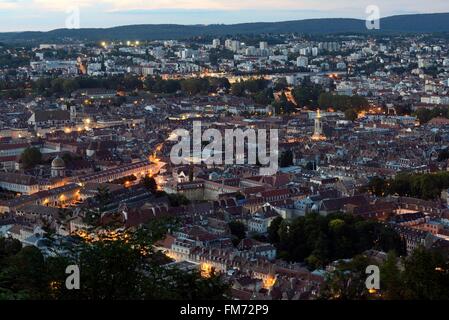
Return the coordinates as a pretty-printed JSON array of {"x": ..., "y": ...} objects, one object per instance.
[{"x": 45, "y": 15}]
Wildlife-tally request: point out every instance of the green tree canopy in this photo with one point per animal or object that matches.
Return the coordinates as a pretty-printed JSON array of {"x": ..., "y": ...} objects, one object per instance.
[
  {"x": 319, "y": 240},
  {"x": 30, "y": 157},
  {"x": 149, "y": 183},
  {"x": 286, "y": 159},
  {"x": 110, "y": 269},
  {"x": 424, "y": 275},
  {"x": 425, "y": 186},
  {"x": 307, "y": 94},
  {"x": 237, "y": 229},
  {"x": 273, "y": 230},
  {"x": 351, "y": 114}
]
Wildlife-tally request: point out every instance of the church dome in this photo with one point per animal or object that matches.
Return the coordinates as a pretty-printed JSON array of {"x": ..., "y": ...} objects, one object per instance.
[{"x": 57, "y": 162}]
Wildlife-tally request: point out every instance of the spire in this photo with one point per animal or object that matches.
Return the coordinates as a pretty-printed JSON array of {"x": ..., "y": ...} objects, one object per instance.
[{"x": 318, "y": 131}]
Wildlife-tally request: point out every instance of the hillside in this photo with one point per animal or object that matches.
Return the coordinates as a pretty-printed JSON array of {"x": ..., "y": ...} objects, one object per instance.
[{"x": 416, "y": 23}]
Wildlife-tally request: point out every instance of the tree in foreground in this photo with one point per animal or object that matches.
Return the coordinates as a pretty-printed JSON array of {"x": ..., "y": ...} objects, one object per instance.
[{"x": 122, "y": 266}]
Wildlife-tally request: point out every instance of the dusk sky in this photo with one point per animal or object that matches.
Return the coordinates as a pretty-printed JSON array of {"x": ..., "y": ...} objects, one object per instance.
[{"x": 20, "y": 15}]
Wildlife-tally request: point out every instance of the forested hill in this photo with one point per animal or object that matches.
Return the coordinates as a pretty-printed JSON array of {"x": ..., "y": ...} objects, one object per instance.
[{"x": 415, "y": 23}]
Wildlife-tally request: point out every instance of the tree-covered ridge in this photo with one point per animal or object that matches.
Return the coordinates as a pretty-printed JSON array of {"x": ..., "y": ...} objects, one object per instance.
[{"x": 413, "y": 23}]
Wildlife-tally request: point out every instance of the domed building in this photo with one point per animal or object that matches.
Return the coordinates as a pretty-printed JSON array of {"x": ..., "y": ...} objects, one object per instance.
[{"x": 57, "y": 168}]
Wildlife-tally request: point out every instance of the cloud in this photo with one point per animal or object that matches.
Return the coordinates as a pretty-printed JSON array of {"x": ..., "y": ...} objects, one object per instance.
[
  {"x": 387, "y": 7},
  {"x": 8, "y": 4},
  {"x": 62, "y": 5}
]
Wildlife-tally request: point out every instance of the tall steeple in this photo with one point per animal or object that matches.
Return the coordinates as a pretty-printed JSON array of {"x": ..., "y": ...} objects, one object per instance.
[{"x": 318, "y": 134}]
